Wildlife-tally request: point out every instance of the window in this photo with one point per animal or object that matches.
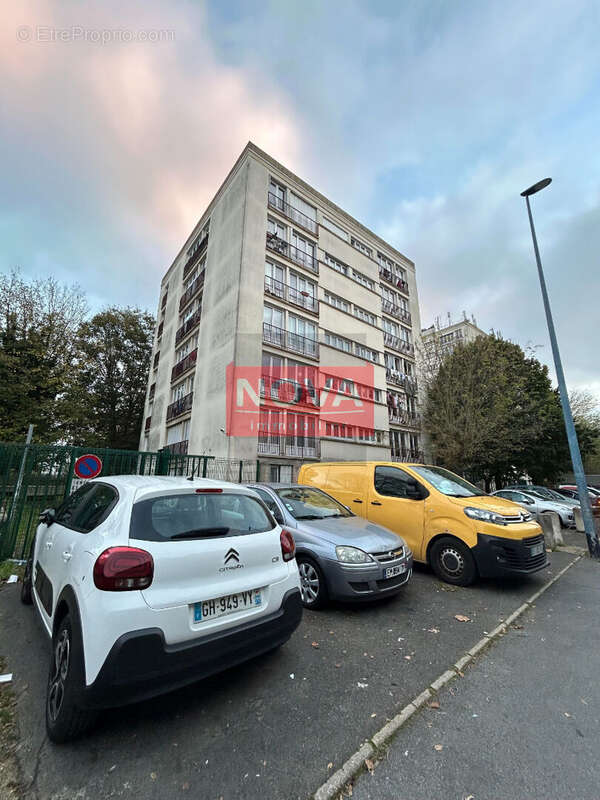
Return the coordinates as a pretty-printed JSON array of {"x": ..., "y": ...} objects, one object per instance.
[
  {"x": 365, "y": 352},
  {"x": 274, "y": 278},
  {"x": 178, "y": 433},
  {"x": 277, "y": 192},
  {"x": 95, "y": 508},
  {"x": 394, "y": 482},
  {"x": 66, "y": 511},
  {"x": 273, "y": 316},
  {"x": 390, "y": 327},
  {"x": 361, "y": 247},
  {"x": 366, "y": 316},
  {"x": 303, "y": 207},
  {"x": 307, "y": 503},
  {"x": 276, "y": 228},
  {"x": 305, "y": 250},
  {"x": 270, "y": 503},
  {"x": 182, "y": 389},
  {"x": 405, "y": 335},
  {"x": 302, "y": 290},
  {"x": 363, "y": 280},
  {"x": 302, "y": 335},
  {"x": 336, "y": 302},
  {"x": 335, "y": 264},
  {"x": 327, "y": 223},
  {"x": 333, "y": 340}
]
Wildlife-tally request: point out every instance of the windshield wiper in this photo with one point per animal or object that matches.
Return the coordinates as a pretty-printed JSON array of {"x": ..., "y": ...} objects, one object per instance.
[
  {"x": 200, "y": 533},
  {"x": 309, "y": 516}
]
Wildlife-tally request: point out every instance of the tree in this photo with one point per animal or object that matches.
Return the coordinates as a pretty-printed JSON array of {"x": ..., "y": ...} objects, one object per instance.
[
  {"x": 38, "y": 322},
  {"x": 586, "y": 413},
  {"x": 104, "y": 402},
  {"x": 491, "y": 413}
]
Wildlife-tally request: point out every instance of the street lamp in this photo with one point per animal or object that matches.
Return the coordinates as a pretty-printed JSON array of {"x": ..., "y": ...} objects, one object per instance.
[{"x": 582, "y": 490}]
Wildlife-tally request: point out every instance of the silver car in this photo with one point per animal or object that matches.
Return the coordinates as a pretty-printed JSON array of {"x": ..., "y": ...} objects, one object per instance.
[
  {"x": 340, "y": 556},
  {"x": 547, "y": 494},
  {"x": 537, "y": 505}
]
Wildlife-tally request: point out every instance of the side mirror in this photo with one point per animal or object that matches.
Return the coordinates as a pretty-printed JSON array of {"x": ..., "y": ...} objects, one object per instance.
[
  {"x": 528, "y": 501},
  {"x": 48, "y": 516}
]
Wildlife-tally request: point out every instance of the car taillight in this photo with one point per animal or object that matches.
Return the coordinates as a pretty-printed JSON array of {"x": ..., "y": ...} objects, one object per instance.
[
  {"x": 288, "y": 545},
  {"x": 123, "y": 569}
]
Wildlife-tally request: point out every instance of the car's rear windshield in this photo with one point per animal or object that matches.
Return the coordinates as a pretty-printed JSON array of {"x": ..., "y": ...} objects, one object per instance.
[
  {"x": 305, "y": 503},
  {"x": 198, "y": 516}
]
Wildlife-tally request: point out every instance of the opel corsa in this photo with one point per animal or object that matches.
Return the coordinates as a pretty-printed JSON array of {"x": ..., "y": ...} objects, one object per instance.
[
  {"x": 145, "y": 584},
  {"x": 445, "y": 520}
]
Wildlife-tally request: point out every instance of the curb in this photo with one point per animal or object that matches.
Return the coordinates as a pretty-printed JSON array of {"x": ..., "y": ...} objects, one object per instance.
[{"x": 371, "y": 749}]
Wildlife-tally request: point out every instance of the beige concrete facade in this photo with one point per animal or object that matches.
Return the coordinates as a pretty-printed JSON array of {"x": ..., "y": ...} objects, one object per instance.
[{"x": 275, "y": 272}]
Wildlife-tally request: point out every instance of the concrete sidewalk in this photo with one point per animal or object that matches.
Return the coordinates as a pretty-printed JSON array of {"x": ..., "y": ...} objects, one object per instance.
[{"x": 525, "y": 720}]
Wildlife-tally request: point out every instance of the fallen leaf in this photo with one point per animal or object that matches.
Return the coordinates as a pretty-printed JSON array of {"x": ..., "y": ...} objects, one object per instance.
[
  {"x": 438, "y": 747},
  {"x": 330, "y": 765},
  {"x": 348, "y": 790},
  {"x": 153, "y": 775},
  {"x": 434, "y": 704},
  {"x": 433, "y": 630},
  {"x": 370, "y": 765},
  {"x": 315, "y": 644},
  {"x": 407, "y": 658},
  {"x": 518, "y": 627},
  {"x": 462, "y": 618},
  {"x": 338, "y": 665}
]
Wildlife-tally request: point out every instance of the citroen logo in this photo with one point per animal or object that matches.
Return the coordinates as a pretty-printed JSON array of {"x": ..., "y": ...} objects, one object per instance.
[{"x": 232, "y": 555}]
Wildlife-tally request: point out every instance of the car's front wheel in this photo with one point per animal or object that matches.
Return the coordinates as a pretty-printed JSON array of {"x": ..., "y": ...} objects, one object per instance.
[
  {"x": 312, "y": 583},
  {"x": 452, "y": 561},
  {"x": 65, "y": 718}
]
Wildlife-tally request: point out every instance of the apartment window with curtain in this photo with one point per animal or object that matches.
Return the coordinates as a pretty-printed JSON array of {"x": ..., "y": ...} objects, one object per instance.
[
  {"x": 277, "y": 192},
  {"x": 274, "y": 278}
]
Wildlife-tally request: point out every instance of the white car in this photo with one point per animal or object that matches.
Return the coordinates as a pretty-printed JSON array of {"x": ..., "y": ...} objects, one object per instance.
[{"x": 146, "y": 584}]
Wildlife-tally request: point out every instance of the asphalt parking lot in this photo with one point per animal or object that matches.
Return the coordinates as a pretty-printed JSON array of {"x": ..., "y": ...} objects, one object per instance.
[{"x": 269, "y": 728}]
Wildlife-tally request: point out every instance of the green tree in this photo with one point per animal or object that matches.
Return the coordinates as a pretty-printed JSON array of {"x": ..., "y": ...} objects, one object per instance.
[
  {"x": 491, "y": 413},
  {"x": 104, "y": 403},
  {"x": 38, "y": 322}
]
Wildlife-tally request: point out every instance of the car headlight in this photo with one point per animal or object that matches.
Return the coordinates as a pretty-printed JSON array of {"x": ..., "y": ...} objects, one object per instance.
[
  {"x": 484, "y": 515},
  {"x": 352, "y": 555}
]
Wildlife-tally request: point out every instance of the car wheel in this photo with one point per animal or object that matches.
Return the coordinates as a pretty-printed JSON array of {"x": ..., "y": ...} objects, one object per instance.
[
  {"x": 452, "y": 561},
  {"x": 26, "y": 596},
  {"x": 312, "y": 583},
  {"x": 65, "y": 719}
]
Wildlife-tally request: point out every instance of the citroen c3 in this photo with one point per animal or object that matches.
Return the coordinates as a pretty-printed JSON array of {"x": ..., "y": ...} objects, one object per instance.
[
  {"x": 447, "y": 522},
  {"x": 145, "y": 584}
]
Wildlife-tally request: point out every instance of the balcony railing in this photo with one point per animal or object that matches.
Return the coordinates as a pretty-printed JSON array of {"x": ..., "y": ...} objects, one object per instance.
[
  {"x": 178, "y": 448},
  {"x": 395, "y": 311},
  {"x": 147, "y": 424},
  {"x": 296, "y": 255},
  {"x": 193, "y": 290},
  {"x": 296, "y": 296},
  {"x": 289, "y": 446},
  {"x": 156, "y": 360},
  {"x": 389, "y": 276},
  {"x": 179, "y": 407},
  {"x": 290, "y": 341},
  {"x": 400, "y": 379},
  {"x": 409, "y": 456},
  {"x": 184, "y": 365},
  {"x": 291, "y": 212},
  {"x": 398, "y": 344},
  {"x": 188, "y": 326},
  {"x": 284, "y": 389},
  {"x": 193, "y": 258},
  {"x": 408, "y": 418}
]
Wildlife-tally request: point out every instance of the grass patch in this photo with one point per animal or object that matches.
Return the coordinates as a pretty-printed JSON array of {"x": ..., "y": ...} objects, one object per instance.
[
  {"x": 8, "y": 568},
  {"x": 10, "y": 786}
]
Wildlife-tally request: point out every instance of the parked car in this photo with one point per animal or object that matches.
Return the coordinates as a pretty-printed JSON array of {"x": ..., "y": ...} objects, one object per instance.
[
  {"x": 573, "y": 488},
  {"x": 145, "y": 584},
  {"x": 546, "y": 494},
  {"x": 446, "y": 521},
  {"x": 538, "y": 505},
  {"x": 571, "y": 492},
  {"x": 340, "y": 556}
]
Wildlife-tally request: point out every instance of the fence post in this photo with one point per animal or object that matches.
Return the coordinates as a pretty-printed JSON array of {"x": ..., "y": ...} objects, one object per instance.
[
  {"x": 241, "y": 471},
  {"x": 69, "y": 480}
]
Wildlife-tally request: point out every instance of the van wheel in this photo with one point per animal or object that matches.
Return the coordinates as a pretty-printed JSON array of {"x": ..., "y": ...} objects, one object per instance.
[
  {"x": 312, "y": 583},
  {"x": 452, "y": 561},
  {"x": 65, "y": 719}
]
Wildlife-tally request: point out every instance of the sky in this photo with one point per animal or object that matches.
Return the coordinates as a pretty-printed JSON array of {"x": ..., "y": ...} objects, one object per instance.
[{"x": 424, "y": 119}]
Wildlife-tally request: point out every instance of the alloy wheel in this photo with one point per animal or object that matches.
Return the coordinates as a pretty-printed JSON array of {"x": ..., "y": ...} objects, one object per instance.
[
  {"x": 56, "y": 692},
  {"x": 309, "y": 582}
]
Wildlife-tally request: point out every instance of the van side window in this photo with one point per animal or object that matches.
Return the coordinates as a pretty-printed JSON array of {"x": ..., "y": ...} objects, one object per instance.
[{"x": 393, "y": 482}]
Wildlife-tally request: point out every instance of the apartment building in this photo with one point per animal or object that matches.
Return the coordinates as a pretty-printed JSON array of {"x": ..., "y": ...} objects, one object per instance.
[{"x": 278, "y": 278}]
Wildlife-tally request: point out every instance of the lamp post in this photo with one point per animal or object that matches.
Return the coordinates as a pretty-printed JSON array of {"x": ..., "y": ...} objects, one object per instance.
[{"x": 582, "y": 490}]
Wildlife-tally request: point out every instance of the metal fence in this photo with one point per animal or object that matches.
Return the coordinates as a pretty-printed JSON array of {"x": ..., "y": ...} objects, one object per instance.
[{"x": 35, "y": 477}]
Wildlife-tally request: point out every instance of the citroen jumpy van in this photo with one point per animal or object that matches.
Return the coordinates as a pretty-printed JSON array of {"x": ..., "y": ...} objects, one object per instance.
[{"x": 445, "y": 520}]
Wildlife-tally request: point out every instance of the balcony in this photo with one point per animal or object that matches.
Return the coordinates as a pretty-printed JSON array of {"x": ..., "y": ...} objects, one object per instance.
[
  {"x": 187, "y": 363},
  {"x": 282, "y": 388},
  {"x": 292, "y": 213},
  {"x": 290, "y": 341},
  {"x": 289, "y": 446},
  {"x": 301, "y": 257},
  {"x": 400, "y": 379},
  {"x": 407, "y": 418},
  {"x": 389, "y": 276},
  {"x": 395, "y": 311},
  {"x": 195, "y": 255},
  {"x": 147, "y": 424},
  {"x": 188, "y": 326},
  {"x": 177, "y": 448},
  {"x": 398, "y": 344},
  {"x": 180, "y": 406},
  {"x": 295, "y": 296},
  {"x": 192, "y": 291}
]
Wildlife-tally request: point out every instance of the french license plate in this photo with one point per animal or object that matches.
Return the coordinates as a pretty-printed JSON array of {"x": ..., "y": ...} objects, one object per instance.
[
  {"x": 391, "y": 572},
  {"x": 228, "y": 604},
  {"x": 536, "y": 549}
]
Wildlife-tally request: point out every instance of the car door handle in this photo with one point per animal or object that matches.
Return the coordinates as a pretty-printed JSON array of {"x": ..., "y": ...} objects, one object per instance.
[
  {"x": 376, "y": 503},
  {"x": 67, "y": 555},
  {"x": 357, "y": 501}
]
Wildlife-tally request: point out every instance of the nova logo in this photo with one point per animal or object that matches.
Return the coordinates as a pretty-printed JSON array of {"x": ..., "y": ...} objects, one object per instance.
[{"x": 232, "y": 555}]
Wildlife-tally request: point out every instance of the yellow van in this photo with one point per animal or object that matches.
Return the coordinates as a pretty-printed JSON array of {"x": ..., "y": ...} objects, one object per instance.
[{"x": 446, "y": 521}]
